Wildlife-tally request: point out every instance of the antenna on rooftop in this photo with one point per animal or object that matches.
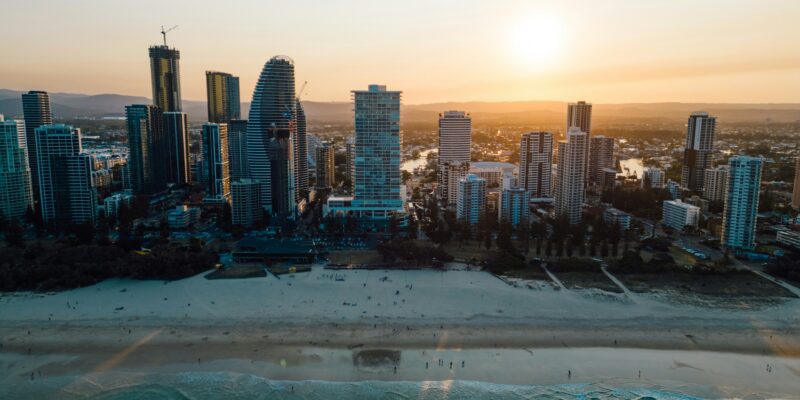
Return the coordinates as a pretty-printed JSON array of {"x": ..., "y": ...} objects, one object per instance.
[{"x": 164, "y": 32}]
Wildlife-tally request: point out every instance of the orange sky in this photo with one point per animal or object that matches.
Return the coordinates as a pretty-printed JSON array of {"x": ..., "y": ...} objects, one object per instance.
[{"x": 608, "y": 51}]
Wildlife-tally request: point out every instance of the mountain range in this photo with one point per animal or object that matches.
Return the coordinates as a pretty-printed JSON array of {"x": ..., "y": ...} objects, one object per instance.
[{"x": 72, "y": 105}]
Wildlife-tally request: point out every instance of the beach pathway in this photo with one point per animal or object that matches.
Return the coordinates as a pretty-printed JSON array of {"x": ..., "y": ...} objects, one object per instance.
[
  {"x": 618, "y": 283},
  {"x": 553, "y": 277}
]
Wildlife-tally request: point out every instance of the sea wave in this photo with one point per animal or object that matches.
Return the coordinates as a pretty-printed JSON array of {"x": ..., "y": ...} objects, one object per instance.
[{"x": 201, "y": 386}]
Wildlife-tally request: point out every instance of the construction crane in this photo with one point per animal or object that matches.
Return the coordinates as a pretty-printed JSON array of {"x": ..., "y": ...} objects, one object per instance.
[
  {"x": 302, "y": 89},
  {"x": 164, "y": 32}
]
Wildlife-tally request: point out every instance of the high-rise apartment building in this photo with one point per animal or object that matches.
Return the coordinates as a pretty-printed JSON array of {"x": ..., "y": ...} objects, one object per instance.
[
  {"x": 535, "y": 163},
  {"x": 222, "y": 94},
  {"x": 146, "y": 148},
  {"x": 67, "y": 194},
  {"x": 601, "y": 157},
  {"x": 715, "y": 183},
  {"x": 580, "y": 115},
  {"x": 796, "y": 189},
  {"x": 246, "y": 206},
  {"x": 515, "y": 206},
  {"x": 16, "y": 195},
  {"x": 350, "y": 157},
  {"x": 741, "y": 202},
  {"x": 176, "y": 131},
  {"x": 270, "y": 129},
  {"x": 697, "y": 155},
  {"x": 237, "y": 149},
  {"x": 36, "y": 110},
  {"x": 571, "y": 175},
  {"x": 377, "y": 161},
  {"x": 471, "y": 203},
  {"x": 325, "y": 169},
  {"x": 215, "y": 155},
  {"x": 165, "y": 77},
  {"x": 452, "y": 173},
  {"x": 300, "y": 146},
  {"x": 455, "y": 143}
]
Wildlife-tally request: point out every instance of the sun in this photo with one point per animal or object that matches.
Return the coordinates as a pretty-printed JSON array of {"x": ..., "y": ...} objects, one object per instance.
[{"x": 537, "y": 40}]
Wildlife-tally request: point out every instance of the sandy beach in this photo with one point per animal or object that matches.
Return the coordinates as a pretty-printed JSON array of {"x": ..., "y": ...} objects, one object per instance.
[{"x": 314, "y": 326}]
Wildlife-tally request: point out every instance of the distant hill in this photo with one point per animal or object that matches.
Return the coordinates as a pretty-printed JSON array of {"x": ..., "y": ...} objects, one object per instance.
[{"x": 70, "y": 105}]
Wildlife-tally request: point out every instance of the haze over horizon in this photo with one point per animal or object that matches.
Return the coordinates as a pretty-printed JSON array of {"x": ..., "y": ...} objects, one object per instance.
[{"x": 615, "y": 52}]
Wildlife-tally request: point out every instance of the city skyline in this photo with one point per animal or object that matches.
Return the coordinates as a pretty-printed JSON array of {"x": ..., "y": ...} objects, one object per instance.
[{"x": 733, "y": 56}]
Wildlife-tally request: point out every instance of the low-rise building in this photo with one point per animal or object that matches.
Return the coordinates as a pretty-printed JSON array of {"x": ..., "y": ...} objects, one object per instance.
[
  {"x": 181, "y": 217},
  {"x": 678, "y": 215},
  {"x": 612, "y": 215},
  {"x": 113, "y": 203}
]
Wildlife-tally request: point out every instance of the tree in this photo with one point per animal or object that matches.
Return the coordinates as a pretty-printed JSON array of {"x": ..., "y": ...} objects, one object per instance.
[
  {"x": 84, "y": 232},
  {"x": 15, "y": 235},
  {"x": 488, "y": 241},
  {"x": 504, "y": 238}
]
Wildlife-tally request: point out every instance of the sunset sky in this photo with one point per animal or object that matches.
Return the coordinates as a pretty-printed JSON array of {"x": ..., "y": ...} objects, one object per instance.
[{"x": 607, "y": 51}]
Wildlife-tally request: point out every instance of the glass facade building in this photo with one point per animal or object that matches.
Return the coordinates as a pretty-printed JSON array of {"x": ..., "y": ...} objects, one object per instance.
[
  {"x": 146, "y": 148},
  {"x": 270, "y": 129},
  {"x": 176, "y": 131},
  {"x": 16, "y": 195},
  {"x": 36, "y": 109},
  {"x": 166, "y": 78},
  {"x": 741, "y": 202},
  {"x": 215, "y": 154},
  {"x": 222, "y": 93}
]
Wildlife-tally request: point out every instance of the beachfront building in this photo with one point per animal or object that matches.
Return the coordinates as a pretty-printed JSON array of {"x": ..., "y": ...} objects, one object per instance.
[
  {"x": 377, "y": 187},
  {"x": 653, "y": 178},
  {"x": 222, "y": 95},
  {"x": 246, "y": 203},
  {"x": 741, "y": 202},
  {"x": 697, "y": 154},
  {"x": 514, "y": 206},
  {"x": 536, "y": 163},
  {"x": 471, "y": 203},
  {"x": 215, "y": 156},
  {"x": 674, "y": 189},
  {"x": 613, "y": 215},
  {"x": 601, "y": 157},
  {"x": 300, "y": 148},
  {"x": 350, "y": 159},
  {"x": 678, "y": 215},
  {"x": 570, "y": 176},
  {"x": 270, "y": 129},
  {"x": 455, "y": 144},
  {"x": 16, "y": 195},
  {"x": 716, "y": 181},
  {"x": 146, "y": 149},
  {"x": 37, "y": 112},
  {"x": 67, "y": 194},
  {"x": 113, "y": 203}
]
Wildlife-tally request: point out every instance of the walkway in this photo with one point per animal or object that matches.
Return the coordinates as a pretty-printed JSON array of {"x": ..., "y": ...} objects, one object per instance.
[
  {"x": 553, "y": 277},
  {"x": 618, "y": 283}
]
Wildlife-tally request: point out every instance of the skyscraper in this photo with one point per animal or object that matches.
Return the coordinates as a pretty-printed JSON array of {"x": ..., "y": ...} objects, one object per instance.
[
  {"x": 471, "y": 203},
  {"x": 15, "y": 175},
  {"x": 270, "y": 129},
  {"x": 176, "y": 130},
  {"x": 580, "y": 115},
  {"x": 796, "y": 189},
  {"x": 741, "y": 203},
  {"x": 697, "y": 155},
  {"x": 237, "y": 149},
  {"x": 36, "y": 109},
  {"x": 451, "y": 172},
  {"x": 350, "y": 156},
  {"x": 715, "y": 181},
  {"x": 65, "y": 176},
  {"x": 165, "y": 77},
  {"x": 455, "y": 143},
  {"x": 377, "y": 162},
  {"x": 215, "y": 154},
  {"x": 571, "y": 175},
  {"x": 325, "y": 166},
  {"x": 300, "y": 147},
  {"x": 146, "y": 145},
  {"x": 601, "y": 156},
  {"x": 246, "y": 209},
  {"x": 536, "y": 163},
  {"x": 222, "y": 94}
]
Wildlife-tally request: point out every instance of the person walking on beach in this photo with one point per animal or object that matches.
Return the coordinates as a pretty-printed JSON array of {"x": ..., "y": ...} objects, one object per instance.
[{"x": 569, "y": 374}]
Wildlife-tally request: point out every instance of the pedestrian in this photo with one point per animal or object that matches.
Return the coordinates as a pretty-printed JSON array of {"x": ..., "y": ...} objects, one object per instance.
[
  {"x": 640, "y": 374},
  {"x": 569, "y": 374}
]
